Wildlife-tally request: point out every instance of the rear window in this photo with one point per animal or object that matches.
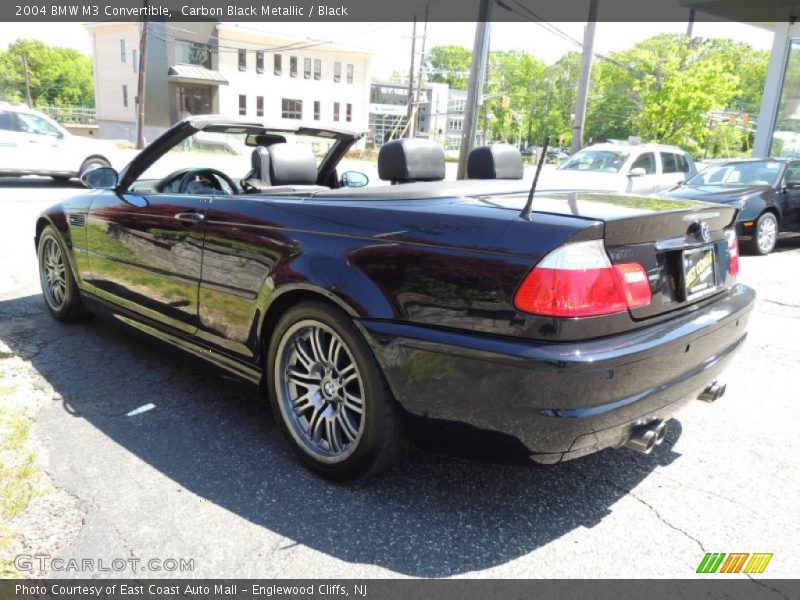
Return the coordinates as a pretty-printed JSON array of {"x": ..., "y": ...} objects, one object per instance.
[{"x": 669, "y": 162}]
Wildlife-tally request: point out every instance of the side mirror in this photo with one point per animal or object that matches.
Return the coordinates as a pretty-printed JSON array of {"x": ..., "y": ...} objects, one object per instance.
[
  {"x": 791, "y": 185},
  {"x": 354, "y": 179},
  {"x": 101, "y": 178},
  {"x": 637, "y": 172}
]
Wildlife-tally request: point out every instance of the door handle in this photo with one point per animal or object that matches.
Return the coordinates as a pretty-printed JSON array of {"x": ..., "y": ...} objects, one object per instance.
[{"x": 190, "y": 217}]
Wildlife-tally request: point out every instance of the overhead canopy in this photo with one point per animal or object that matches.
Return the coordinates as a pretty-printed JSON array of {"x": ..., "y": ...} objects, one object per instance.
[
  {"x": 747, "y": 11},
  {"x": 195, "y": 74}
]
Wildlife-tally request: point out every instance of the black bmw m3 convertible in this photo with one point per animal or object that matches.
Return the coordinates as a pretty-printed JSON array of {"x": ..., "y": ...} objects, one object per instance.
[{"x": 581, "y": 324}]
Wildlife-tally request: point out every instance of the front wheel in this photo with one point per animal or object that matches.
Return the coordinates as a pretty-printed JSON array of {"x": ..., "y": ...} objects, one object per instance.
[
  {"x": 58, "y": 285},
  {"x": 766, "y": 234},
  {"x": 329, "y": 395}
]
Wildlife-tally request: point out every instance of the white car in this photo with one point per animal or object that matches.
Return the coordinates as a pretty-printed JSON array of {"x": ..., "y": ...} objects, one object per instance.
[
  {"x": 32, "y": 143},
  {"x": 636, "y": 169}
]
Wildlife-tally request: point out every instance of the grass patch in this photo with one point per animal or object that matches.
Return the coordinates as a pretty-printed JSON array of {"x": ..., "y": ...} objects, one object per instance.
[{"x": 18, "y": 470}]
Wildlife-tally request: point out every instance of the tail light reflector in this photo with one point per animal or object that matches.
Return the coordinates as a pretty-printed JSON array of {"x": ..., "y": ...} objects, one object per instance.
[
  {"x": 733, "y": 253},
  {"x": 578, "y": 280}
]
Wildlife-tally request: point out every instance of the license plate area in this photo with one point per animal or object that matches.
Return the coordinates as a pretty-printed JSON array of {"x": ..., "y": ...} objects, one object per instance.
[{"x": 699, "y": 272}]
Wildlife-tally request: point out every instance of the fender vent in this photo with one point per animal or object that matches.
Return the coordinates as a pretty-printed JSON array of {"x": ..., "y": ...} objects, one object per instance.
[{"x": 77, "y": 220}]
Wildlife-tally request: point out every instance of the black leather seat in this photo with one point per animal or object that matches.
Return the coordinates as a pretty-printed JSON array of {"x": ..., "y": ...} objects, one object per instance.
[
  {"x": 495, "y": 161},
  {"x": 282, "y": 168},
  {"x": 411, "y": 159},
  {"x": 291, "y": 164}
]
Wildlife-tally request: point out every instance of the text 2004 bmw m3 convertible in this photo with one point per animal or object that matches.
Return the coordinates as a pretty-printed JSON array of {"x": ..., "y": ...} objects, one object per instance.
[{"x": 582, "y": 325}]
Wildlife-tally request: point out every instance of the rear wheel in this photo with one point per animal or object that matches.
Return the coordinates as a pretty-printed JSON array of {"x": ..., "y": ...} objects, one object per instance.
[
  {"x": 329, "y": 395},
  {"x": 766, "y": 234},
  {"x": 58, "y": 285}
]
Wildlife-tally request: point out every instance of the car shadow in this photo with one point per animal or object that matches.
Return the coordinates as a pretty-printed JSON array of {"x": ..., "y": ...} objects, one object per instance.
[
  {"x": 38, "y": 182},
  {"x": 787, "y": 243},
  {"x": 439, "y": 514}
]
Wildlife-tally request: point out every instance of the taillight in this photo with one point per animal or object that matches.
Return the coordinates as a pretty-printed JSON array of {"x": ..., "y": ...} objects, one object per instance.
[
  {"x": 578, "y": 280},
  {"x": 733, "y": 252}
]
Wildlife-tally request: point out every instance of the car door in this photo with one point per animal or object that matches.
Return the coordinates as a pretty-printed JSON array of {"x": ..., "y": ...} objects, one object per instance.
[
  {"x": 41, "y": 145},
  {"x": 672, "y": 172},
  {"x": 789, "y": 198},
  {"x": 145, "y": 253},
  {"x": 646, "y": 183}
]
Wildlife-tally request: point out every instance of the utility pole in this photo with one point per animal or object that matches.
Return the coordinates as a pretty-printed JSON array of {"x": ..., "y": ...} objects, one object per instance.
[
  {"x": 579, "y": 123},
  {"x": 484, "y": 104},
  {"x": 27, "y": 81},
  {"x": 410, "y": 111},
  {"x": 140, "y": 88},
  {"x": 690, "y": 26},
  {"x": 412, "y": 127},
  {"x": 477, "y": 76}
]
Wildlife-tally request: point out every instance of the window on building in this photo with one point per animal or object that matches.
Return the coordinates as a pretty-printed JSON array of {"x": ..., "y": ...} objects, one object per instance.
[
  {"x": 349, "y": 73},
  {"x": 276, "y": 61},
  {"x": 335, "y": 111},
  {"x": 337, "y": 72},
  {"x": 291, "y": 109},
  {"x": 292, "y": 66},
  {"x": 317, "y": 69},
  {"x": 135, "y": 60},
  {"x": 259, "y": 62},
  {"x": 125, "y": 96},
  {"x": 193, "y": 53},
  {"x": 242, "y": 104},
  {"x": 259, "y": 106},
  {"x": 317, "y": 108},
  {"x": 243, "y": 60},
  {"x": 122, "y": 54},
  {"x": 307, "y": 68},
  {"x": 348, "y": 115},
  {"x": 455, "y": 124}
]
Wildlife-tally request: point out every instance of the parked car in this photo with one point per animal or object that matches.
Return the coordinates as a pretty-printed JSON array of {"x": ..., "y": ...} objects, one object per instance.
[
  {"x": 636, "y": 169},
  {"x": 767, "y": 192},
  {"x": 31, "y": 143},
  {"x": 583, "y": 325}
]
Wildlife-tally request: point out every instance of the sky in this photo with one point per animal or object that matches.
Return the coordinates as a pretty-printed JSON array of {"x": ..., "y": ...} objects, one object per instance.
[{"x": 391, "y": 42}]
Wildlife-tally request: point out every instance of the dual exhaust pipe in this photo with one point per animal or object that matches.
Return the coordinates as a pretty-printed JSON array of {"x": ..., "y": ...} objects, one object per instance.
[{"x": 646, "y": 437}]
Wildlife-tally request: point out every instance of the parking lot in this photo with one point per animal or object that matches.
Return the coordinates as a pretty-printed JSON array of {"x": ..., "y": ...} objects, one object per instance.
[{"x": 205, "y": 475}]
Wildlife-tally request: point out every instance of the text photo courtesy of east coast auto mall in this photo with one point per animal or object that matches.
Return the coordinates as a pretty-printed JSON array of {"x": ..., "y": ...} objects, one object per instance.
[{"x": 483, "y": 298}]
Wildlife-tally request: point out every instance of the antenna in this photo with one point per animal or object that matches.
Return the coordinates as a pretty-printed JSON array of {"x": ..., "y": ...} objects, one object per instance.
[{"x": 526, "y": 212}]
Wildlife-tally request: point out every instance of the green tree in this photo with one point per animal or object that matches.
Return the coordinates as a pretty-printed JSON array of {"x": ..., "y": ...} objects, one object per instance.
[
  {"x": 58, "y": 76},
  {"x": 450, "y": 65}
]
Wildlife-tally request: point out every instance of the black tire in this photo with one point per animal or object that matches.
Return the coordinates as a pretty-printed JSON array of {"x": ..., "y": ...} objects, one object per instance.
[
  {"x": 93, "y": 162},
  {"x": 65, "y": 306},
  {"x": 381, "y": 441},
  {"x": 762, "y": 243}
]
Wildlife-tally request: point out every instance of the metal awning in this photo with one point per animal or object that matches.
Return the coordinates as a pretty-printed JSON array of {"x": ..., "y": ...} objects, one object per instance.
[{"x": 195, "y": 74}]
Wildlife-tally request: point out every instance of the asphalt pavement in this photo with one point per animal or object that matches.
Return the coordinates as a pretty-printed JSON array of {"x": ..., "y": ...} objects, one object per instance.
[{"x": 204, "y": 474}]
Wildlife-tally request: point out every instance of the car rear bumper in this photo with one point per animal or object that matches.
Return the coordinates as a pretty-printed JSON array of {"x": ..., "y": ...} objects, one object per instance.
[{"x": 561, "y": 400}]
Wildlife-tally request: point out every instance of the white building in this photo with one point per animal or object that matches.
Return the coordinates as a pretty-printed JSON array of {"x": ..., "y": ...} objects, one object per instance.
[{"x": 201, "y": 68}]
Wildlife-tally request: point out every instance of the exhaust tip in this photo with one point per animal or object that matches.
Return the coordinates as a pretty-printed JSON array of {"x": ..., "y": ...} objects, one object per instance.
[
  {"x": 713, "y": 392},
  {"x": 646, "y": 437}
]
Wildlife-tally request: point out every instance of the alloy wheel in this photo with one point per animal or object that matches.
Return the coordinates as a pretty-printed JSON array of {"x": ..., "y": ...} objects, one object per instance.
[
  {"x": 320, "y": 391},
  {"x": 53, "y": 273},
  {"x": 767, "y": 233}
]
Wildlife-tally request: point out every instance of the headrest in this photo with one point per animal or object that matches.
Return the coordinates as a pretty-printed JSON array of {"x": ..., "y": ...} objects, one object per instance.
[
  {"x": 411, "y": 159},
  {"x": 496, "y": 161},
  {"x": 291, "y": 164},
  {"x": 259, "y": 162}
]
